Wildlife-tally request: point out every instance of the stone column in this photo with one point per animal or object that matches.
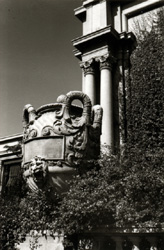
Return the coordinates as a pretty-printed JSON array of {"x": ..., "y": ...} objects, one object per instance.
[
  {"x": 83, "y": 81},
  {"x": 89, "y": 87},
  {"x": 106, "y": 100}
]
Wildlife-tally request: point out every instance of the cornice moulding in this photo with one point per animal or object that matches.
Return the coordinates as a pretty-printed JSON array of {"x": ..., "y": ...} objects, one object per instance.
[
  {"x": 11, "y": 138},
  {"x": 80, "y": 13},
  {"x": 134, "y": 8},
  {"x": 107, "y": 32}
]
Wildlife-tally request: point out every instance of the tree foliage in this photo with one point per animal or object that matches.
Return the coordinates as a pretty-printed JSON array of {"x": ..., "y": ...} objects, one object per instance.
[{"x": 145, "y": 98}]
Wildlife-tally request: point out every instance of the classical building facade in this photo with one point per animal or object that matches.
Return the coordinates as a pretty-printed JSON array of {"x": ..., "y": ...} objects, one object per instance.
[{"x": 103, "y": 52}]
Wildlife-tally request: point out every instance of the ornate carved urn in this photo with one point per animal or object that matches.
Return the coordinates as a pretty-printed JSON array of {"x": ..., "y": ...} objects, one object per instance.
[{"x": 57, "y": 138}]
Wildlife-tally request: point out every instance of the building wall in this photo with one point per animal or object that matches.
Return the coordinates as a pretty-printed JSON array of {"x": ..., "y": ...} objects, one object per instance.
[{"x": 10, "y": 162}]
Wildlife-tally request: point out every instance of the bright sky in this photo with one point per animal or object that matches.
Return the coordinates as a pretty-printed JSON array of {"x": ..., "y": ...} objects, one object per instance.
[{"x": 36, "y": 59}]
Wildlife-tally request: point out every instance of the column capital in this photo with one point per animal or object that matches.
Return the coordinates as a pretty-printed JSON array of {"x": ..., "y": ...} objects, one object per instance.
[
  {"x": 88, "y": 66},
  {"x": 106, "y": 61}
]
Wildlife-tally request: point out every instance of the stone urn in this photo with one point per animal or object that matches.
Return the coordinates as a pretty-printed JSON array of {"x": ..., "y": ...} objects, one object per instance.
[{"x": 57, "y": 138}]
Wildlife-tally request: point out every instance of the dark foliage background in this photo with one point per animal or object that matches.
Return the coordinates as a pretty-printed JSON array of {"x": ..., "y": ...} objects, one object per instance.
[{"x": 145, "y": 98}]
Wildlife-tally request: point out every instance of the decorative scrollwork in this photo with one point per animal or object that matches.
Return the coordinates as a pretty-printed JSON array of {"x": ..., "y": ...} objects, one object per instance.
[
  {"x": 77, "y": 146},
  {"x": 47, "y": 130},
  {"x": 32, "y": 133}
]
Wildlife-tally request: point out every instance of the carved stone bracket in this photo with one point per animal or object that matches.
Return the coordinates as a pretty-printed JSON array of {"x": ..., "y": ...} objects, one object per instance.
[{"x": 88, "y": 66}]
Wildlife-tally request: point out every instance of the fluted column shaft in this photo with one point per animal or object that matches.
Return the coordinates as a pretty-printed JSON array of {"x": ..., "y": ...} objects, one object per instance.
[{"x": 89, "y": 87}]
